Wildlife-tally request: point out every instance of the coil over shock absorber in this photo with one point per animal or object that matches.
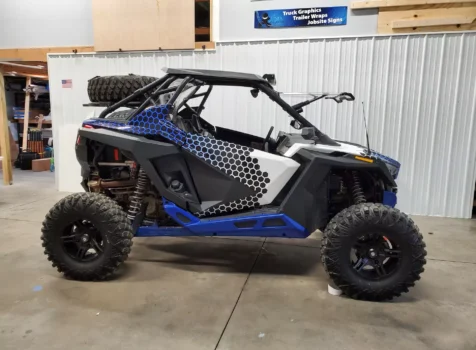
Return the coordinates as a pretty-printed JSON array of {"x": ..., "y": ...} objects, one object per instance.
[
  {"x": 357, "y": 191},
  {"x": 138, "y": 196}
]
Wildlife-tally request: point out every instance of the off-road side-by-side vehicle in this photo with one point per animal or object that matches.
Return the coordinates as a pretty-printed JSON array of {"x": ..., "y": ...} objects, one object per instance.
[{"x": 157, "y": 168}]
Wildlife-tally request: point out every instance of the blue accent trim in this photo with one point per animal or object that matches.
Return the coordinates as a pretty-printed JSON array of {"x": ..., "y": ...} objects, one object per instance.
[
  {"x": 224, "y": 226},
  {"x": 387, "y": 160},
  {"x": 172, "y": 210},
  {"x": 389, "y": 198}
]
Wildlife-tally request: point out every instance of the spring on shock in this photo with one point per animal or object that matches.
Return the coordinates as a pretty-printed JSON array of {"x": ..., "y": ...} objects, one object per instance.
[
  {"x": 357, "y": 191},
  {"x": 138, "y": 196},
  {"x": 133, "y": 171}
]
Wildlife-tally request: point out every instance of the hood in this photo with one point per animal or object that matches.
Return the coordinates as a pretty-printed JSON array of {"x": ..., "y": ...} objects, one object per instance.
[
  {"x": 359, "y": 150},
  {"x": 348, "y": 148}
]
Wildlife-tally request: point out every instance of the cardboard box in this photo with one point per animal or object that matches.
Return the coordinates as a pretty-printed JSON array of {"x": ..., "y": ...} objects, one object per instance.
[{"x": 41, "y": 164}]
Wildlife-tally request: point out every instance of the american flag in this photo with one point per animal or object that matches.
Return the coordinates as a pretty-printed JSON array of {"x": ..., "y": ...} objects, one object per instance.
[{"x": 67, "y": 83}]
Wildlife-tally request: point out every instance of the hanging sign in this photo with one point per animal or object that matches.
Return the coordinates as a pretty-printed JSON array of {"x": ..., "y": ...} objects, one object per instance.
[{"x": 301, "y": 17}]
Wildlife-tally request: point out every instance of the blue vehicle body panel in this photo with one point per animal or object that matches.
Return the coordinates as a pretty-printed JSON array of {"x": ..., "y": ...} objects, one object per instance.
[{"x": 225, "y": 226}]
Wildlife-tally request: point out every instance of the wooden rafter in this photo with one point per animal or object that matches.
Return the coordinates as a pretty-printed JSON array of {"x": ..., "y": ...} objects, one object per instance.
[
  {"x": 39, "y": 54},
  {"x": 452, "y": 17},
  {"x": 430, "y": 22},
  {"x": 34, "y": 69},
  {"x": 393, "y": 3}
]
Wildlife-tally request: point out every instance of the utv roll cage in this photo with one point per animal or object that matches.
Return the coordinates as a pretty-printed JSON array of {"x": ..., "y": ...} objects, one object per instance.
[{"x": 194, "y": 79}]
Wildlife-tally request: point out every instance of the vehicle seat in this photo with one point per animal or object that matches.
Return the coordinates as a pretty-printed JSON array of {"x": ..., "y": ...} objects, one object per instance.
[
  {"x": 188, "y": 121},
  {"x": 120, "y": 116}
]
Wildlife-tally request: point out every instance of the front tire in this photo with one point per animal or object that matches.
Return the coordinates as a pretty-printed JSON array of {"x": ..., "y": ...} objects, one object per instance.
[
  {"x": 86, "y": 236},
  {"x": 373, "y": 252}
]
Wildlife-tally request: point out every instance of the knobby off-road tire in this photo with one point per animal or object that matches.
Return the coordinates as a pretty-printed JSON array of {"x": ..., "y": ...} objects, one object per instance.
[
  {"x": 345, "y": 229},
  {"x": 116, "y": 88},
  {"x": 108, "y": 219}
]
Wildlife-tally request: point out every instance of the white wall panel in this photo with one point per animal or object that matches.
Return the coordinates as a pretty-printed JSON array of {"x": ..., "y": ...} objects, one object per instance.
[
  {"x": 419, "y": 95},
  {"x": 45, "y": 23}
]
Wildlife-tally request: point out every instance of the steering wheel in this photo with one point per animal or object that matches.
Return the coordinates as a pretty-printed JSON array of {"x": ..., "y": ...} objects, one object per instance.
[{"x": 267, "y": 138}]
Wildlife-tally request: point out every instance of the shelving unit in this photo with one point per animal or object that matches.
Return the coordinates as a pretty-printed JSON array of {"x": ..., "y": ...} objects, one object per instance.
[
  {"x": 33, "y": 122},
  {"x": 27, "y": 103},
  {"x": 27, "y": 89}
]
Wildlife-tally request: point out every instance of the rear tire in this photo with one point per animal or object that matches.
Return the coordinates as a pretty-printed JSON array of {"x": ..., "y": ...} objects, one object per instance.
[
  {"x": 87, "y": 236},
  {"x": 116, "y": 88},
  {"x": 346, "y": 230}
]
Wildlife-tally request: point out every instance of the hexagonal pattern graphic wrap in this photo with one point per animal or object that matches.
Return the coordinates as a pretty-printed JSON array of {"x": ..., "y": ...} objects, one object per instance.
[
  {"x": 155, "y": 120},
  {"x": 237, "y": 162},
  {"x": 232, "y": 159},
  {"x": 151, "y": 121}
]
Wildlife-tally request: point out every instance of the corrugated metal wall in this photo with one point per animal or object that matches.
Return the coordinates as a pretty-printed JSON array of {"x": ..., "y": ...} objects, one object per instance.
[{"x": 419, "y": 93}]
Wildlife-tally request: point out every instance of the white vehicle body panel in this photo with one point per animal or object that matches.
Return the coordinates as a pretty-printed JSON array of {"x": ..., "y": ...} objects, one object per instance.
[
  {"x": 343, "y": 147},
  {"x": 279, "y": 171}
]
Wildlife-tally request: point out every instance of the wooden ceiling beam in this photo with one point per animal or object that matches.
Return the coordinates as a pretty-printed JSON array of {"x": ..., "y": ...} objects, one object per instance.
[
  {"x": 25, "y": 75},
  {"x": 40, "y": 53},
  {"x": 393, "y": 3},
  {"x": 24, "y": 71}
]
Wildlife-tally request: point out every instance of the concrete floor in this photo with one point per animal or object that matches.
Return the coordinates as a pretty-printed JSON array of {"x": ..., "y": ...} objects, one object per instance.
[{"x": 212, "y": 293}]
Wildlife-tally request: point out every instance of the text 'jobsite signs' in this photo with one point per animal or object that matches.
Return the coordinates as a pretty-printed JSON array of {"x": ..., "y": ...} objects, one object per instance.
[{"x": 301, "y": 17}]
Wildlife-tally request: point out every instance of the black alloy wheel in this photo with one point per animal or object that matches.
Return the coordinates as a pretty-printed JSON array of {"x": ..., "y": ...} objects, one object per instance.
[{"x": 82, "y": 241}]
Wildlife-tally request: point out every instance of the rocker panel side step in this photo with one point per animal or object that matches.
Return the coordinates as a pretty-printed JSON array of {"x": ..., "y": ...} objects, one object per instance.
[{"x": 259, "y": 223}]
